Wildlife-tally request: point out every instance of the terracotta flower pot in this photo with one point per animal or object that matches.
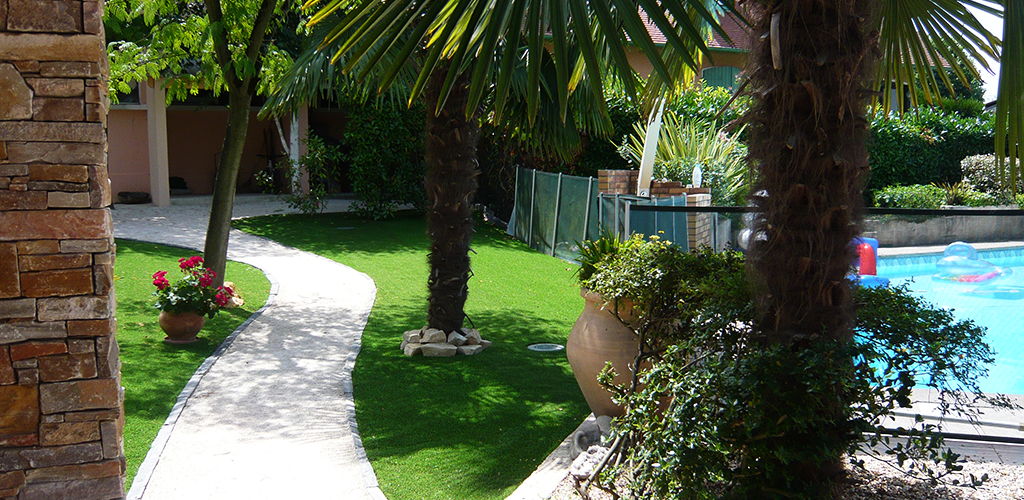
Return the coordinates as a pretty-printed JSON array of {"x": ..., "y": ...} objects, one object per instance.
[
  {"x": 596, "y": 338},
  {"x": 181, "y": 328}
]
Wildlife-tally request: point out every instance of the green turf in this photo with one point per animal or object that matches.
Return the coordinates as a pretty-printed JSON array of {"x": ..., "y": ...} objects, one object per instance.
[
  {"x": 469, "y": 427},
  {"x": 153, "y": 373}
]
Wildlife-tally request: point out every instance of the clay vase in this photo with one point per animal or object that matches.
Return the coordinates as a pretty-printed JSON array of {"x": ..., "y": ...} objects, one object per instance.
[
  {"x": 596, "y": 338},
  {"x": 181, "y": 328}
]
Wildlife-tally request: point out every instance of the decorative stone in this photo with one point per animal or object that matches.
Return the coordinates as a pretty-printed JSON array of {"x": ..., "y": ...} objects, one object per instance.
[
  {"x": 57, "y": 87},
  {"x": 56, "y": 152},
  {"x": 54, "y": 225},
  {"x": 59, "y": 283},
  {"x": 433, "y": 335},
  {"x": 107, "y": 356},
  {"x": 412, "y": 336},
  {"x": 585, "y": 463},
  {"x": 39, "y": 458},
  {"x": 28, "y": 51},
  {"x": 90, "y": 328},
  {"x": 456, "y": 339},
  {"x": 37, "y": 348},
  {"x": 470, "y": 350},
  {"x": 17, "y": 332},
  {"x": 103, "y": 282},
  {"x": 485, "y": 343},
  {"x": 10, "y": 285},
  {"x": 92, "y": 416},
  {"x": 81, "y": 346},
  {"x": 28, "y": 377},
  {"x": 99, "y": 186},
  {"x": 83, "y": 489},
  {"x": 15, "y": 95},
  {"x": 79, "y": 307},
  {"x": 78, "y": 395},
  {"x": 51, "y": 132},
  {"x": 92, "y": 17},
  {"x": 57, "y": 199},
  {"x": 25, "y": 363},
  {"x": 38, "y": 247},
  {"x": 63, "y": 173},
  {"x": 18, "y": 308},
  {"x": 111, "y": 439},
  {"x": 108, "y": 468},
  {"x": 70, "y": 187},
  {"x": 52, "y": 419},
  {"x": 67, "y": 69},
  {"x": 412, "y": 348},
  {"x": 86, "y": 246},
  {"x": 439, "y": 350},
  {"x": 11, "y": 482},
  {"x": 6, "y": 368},
  {"x": 30, "y": 263},
  {"x": 19, "y": 412},
  {"x": 58, "y": 109},
  {"x": 67, "y": 367},
  {"x": 68, "y": 433},
  {"x": 13, "y": 170},
  {"x": 25, "y": 200},
  {"x": 472, "y": 336},
  {"x": 54, "y": 16}
]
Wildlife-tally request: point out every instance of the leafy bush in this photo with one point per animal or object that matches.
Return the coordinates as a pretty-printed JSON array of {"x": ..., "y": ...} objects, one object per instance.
[
  {"x": 967, "y": 108},
  {"x": 386, "y": 156},
  {"x": 915, "y": 196},
  {"x": 702, "y": 417},
  {"x": 1020, "y": 200},
  {"x": 973, "y": 198},
  {"x": 320, "y": 163},
  {"x": 982, "y": 173},
  {"x": 924, "y": 146}
]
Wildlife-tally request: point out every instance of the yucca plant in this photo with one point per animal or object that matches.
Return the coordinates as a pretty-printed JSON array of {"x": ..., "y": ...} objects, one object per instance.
[{"x": 684, "y": 144}]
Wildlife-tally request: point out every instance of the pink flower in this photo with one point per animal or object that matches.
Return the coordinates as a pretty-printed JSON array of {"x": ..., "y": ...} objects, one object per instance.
[
  {"x": 190, "y": 262},
  {"x": 160, "y": 281},
  {"x": 223, "y": 297},
  {"x": 205, "y": 280}
]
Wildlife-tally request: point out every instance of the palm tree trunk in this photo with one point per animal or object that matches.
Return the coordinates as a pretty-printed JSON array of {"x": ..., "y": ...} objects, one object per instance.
[
  {"x": 451, "y": 182},
  {"x": 808, "y": 145},
  {"x": 216, "y": 247}
]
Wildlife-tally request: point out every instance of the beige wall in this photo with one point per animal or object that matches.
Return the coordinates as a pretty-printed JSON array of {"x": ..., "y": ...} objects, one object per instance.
[
  {"x": 718, "y": 58},
  {"x": 128, "y": 154}
]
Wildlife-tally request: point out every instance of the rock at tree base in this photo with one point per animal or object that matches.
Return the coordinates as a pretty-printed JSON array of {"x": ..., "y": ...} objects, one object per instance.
[
  {"x": 432, "y": 342},
  {"x": 412, "y": 348},
  {"x": 433, "y": 335},
  {"x": 439, "y": 350}
]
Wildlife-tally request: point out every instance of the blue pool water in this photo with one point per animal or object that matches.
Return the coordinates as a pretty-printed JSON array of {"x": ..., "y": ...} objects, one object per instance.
[{"x": 997, "y": 305}]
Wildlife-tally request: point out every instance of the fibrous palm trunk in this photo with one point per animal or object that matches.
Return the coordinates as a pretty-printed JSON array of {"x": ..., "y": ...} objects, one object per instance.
[
  {"x": 808, "y": 143},
  {"x": 451, "y": 182}
]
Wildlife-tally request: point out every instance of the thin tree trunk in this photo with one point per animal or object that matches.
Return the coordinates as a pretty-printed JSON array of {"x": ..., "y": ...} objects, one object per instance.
[
  {"x": 451, "y": 182},
  {"x": 216, "y": 248},
  {"x": 808, "y": 143}
]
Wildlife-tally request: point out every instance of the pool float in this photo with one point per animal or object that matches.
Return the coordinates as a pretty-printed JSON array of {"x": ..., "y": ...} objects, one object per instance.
[
  {"x": 960, "y": 264},
  {"x": 867, "y": 273}
]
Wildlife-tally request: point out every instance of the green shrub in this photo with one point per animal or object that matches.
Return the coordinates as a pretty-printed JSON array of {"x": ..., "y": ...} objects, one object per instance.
[
  {"x": 702, "y": 418},
  {"x": 386, "y": 156},
  {"x": 915, "y": 196},
  {"x": 973, "y": 198},
  {"x": 321, "y": 163},
  {"x": 1020, "y": 200},
  {"x": 982, "y": 173},
  {"x": 924, "y": 146},
  {"x": 967, "y": 108}
]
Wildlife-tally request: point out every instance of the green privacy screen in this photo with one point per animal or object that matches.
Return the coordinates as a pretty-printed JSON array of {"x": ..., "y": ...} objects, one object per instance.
[{"x": 555, "y": 211}]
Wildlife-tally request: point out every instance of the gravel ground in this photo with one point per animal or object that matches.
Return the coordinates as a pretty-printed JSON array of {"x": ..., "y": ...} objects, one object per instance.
[{"x": 1006, "y": 482}]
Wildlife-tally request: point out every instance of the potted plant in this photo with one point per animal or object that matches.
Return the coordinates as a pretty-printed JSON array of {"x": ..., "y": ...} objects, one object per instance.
[
  {"x": 185, "y": 304},
  {"x": 602, "y": 334}
]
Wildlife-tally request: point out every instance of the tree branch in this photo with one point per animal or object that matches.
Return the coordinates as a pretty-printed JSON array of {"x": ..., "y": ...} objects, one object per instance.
[{"x": 220, "y": 44}]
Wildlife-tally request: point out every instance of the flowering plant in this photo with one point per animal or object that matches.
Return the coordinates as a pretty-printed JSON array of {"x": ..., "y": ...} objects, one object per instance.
[{"x": 194, "y": 292}]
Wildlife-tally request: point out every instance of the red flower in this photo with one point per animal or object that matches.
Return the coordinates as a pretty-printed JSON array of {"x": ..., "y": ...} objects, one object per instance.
[
  {"x": 190, "y": 262},
  {"x": 159, "y": 281},
  {"x": 223, "y": 297}
]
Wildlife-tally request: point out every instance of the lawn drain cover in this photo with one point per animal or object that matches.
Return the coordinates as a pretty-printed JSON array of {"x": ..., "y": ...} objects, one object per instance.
[{"x": 543, "y": 347}]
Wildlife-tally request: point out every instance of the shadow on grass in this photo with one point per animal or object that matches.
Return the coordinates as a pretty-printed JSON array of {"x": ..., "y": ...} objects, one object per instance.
[{"x": 503, "y": 403}]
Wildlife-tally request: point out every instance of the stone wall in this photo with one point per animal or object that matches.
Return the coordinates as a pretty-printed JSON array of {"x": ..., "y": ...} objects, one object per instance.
[
  {"x": 60, "y": 394},
  {"x": 698, "y": 224}
]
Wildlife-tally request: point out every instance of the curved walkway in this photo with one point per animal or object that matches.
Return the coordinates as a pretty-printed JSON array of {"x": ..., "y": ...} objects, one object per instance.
[{"x": 272, "y": 417}]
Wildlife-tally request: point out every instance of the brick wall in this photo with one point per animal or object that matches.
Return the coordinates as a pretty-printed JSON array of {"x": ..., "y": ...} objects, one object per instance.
[
  {"x": 698, "y": 224},
  {"x": 60, "y": 397}
]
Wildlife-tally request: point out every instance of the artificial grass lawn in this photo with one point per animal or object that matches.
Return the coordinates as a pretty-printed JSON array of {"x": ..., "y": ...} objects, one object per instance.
[
  {"x": 152, "y": 372},
  {"x": 469, "y": 427}
]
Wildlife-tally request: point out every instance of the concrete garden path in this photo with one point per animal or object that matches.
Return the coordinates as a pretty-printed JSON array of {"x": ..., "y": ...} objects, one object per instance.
[{"x": 272, "y": 415}]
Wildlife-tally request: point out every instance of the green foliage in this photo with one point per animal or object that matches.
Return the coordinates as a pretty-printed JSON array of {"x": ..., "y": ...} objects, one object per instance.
[
  {"x": 915, "y": 196},
  {"x": 708, "y": 105},
  {"x": 593, "y": 252},
  {"x": 684, "y": 144},
  {"x": 154, "y": 39},
  {"x": 982, "y": 173},
  {"x": 320, "y": 162},
  {"x": 924, "y": 146},
  {"x": 386, "y": 156},
  {"x": 966, "y": 108},
  {"x": 1020, "y": 200},
  {"x": 972, "y": 198},
  {"x": 702, "y": 418}
]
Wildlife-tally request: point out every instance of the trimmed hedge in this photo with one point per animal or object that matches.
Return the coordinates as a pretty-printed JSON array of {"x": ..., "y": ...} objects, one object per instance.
[
  {"x": 914, "y": 196},
  {"x": 925, "y": 146}
]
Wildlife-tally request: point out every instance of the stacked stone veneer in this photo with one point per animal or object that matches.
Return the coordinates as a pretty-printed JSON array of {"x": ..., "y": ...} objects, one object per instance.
[
  {"x": 698, "y": 224},
  {"x": 60, "y": 396}
]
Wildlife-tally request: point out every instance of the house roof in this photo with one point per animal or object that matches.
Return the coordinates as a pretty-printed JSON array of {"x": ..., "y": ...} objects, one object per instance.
[{"x": 730, "y": 24}]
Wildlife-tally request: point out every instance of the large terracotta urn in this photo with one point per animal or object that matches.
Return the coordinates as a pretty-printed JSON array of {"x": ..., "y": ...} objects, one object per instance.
[
  {"x": 181, "y": 328},
  {"x": 597, "y": 338}
]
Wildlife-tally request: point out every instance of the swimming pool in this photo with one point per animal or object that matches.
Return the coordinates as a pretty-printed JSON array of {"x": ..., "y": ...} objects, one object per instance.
[{"x": 997, "y": 305}]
